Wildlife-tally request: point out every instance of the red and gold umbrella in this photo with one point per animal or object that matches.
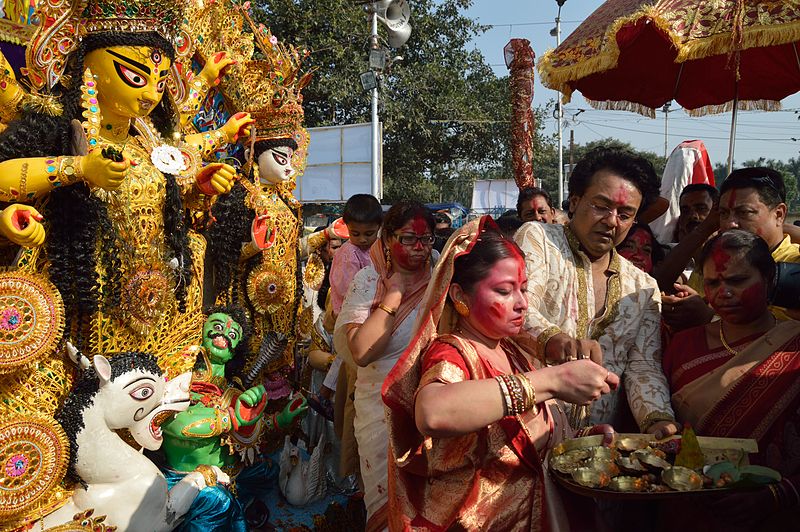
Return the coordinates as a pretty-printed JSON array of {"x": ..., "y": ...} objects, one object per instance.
[{"x": 637, "y": 55}]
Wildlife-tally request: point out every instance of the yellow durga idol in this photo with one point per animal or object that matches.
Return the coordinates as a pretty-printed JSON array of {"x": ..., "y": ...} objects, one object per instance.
[{"x": 116, "y": 177}]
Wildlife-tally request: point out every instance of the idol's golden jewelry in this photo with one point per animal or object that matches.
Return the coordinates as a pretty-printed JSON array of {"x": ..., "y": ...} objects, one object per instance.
[
  {"x": 23, "y": 181},
  {"x": 390, "y": 311},
  {"x": 198, "y": 89},
  {"x": 11, "y": 109},
  {"x": 504, "y": 393},
  {"x": 250, "y": 249},
  {"x": 63, "y": 170},
  {"x": 725, "y": 343},
  {"x": 209, "y": 475}
]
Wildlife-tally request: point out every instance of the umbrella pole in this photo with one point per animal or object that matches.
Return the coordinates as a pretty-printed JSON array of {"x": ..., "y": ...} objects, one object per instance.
[{"x": 732, "y": 144}]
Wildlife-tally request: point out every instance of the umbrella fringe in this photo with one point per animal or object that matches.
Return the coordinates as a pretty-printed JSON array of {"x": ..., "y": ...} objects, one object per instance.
[
  {"x": 744, "y": 105},
  {"x": 753, "y": 37},
  {"x": 632, "y": 107}
]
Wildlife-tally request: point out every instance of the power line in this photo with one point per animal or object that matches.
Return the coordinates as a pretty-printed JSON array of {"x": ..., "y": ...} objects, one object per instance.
[
  {"x": 537, "y": 23},
  {"x": 706, "y": 137}
]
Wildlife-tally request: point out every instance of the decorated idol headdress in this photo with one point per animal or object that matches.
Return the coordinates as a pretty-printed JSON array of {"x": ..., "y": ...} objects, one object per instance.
[
  {"x": 269, "y": 85},
  {"x": 65, "y": 22}
]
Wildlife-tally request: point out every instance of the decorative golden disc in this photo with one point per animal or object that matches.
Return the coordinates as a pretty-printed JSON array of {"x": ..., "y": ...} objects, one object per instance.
[
  {"x": 31, "y": 318},
  {"x": 269, "y": 287},
  {"x": 34, "y": 453}
]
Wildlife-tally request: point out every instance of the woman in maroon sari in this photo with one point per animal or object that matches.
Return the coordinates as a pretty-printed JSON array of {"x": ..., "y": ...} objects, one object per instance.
[
  {"x": 470, "y": 418},
  {"x": 739, "y": 377}
]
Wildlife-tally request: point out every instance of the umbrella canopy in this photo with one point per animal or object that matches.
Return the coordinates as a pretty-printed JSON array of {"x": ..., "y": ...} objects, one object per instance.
[{"x": 639, "y": 54}]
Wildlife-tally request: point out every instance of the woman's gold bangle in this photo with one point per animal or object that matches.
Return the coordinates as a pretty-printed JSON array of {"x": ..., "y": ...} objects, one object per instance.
[{"x": 387, "y": 310}]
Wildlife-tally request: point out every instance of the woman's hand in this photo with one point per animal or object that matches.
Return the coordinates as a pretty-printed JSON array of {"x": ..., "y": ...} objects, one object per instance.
[
  {"x": 582, "y": 381},
  {"x": 395, "y": 285},
  {"x": 21, "y": 224}
]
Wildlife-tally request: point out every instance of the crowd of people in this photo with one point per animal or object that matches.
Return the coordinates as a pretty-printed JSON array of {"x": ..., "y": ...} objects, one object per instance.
[{"x": 453, "y": 371}]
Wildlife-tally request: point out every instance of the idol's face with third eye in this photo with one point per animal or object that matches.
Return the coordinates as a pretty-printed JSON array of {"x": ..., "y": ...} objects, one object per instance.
[{"x": 130, "y": 79}]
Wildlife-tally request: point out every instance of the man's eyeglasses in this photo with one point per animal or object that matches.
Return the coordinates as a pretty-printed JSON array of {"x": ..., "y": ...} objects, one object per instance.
[
  {"x": 603, "y": 212},
  {"x": 411, "y": 240}
]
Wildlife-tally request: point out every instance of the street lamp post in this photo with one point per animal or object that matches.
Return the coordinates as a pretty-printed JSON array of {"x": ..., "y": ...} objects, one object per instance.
[
  {"x": 376, "y": 141},
  {"x": 559, "y": 114}
]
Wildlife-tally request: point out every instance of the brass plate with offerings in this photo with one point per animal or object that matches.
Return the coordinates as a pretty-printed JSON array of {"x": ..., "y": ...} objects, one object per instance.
[{"x": 637, "y": 466}]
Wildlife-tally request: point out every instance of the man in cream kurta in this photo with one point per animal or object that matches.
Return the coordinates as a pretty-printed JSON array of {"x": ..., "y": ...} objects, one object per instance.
[
  {"x": 561, "y": 292},
  {"x": 586, "y": 300}
]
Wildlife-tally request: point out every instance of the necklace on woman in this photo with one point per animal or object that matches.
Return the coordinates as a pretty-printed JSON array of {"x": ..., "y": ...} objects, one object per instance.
[
  {"x": 725, "y": 344},
  {"x": 730, "y": 350}
]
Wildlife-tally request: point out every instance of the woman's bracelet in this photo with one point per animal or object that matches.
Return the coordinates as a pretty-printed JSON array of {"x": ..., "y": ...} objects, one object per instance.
[
  {"x": 530, "y": 393},
  {"x": 507, "y": 405},
  {"x": 387, "y": 310}
]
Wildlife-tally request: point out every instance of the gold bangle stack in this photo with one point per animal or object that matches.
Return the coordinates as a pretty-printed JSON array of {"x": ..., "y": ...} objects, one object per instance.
[
  {"x": 530, "y": 392},
  {"x": 209, "y": 475},
  {"x": 518, "y": 394},
  {"x": 507, "y": 404}
]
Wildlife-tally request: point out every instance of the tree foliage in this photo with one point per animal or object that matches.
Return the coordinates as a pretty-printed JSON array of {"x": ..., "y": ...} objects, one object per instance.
[{"x": 444, "y": 112}]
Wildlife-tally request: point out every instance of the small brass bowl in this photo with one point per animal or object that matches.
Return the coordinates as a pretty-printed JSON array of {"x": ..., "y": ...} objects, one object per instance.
[
  {"x": 603, "y": 453},
  {"x": 590, "y": 477},
  {"x": 682, "y": 479},
  {"x": 630, "y": 444},
  {"x": 564, "y": 464},
  {"x": 630, "y": 465},
  {"x": 604, "y": 466},
  {"x": 651, "y": 461},
  {"x": 626, "y": 484}
]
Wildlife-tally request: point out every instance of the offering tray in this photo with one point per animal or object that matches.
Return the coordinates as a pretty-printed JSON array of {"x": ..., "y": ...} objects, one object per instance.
[{"x": 639, "y": 467}]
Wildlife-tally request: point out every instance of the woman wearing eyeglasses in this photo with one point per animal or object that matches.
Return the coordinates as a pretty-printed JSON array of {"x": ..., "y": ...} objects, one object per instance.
[{"x": 374, "y": 327}]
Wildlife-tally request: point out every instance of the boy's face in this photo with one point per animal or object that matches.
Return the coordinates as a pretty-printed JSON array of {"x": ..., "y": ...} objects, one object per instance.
[{"x": 363, "y": 235}]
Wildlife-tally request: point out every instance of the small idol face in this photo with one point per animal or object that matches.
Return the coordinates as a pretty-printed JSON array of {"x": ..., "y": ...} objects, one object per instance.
[
  {"x": 275, "y": 165},
  {"x": 130, "y": 79},
  {"x": 221, "y": 335}
]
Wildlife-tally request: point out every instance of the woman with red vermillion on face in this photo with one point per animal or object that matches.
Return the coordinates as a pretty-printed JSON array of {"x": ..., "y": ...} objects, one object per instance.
[
  {"x": 737, "y": 378},
  {"x": 374, "y": 328},
  {"x": 469, "y": 416}
]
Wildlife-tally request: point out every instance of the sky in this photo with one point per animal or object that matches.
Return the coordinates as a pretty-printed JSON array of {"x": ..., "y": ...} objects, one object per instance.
[{"x": 759, "y": 134}]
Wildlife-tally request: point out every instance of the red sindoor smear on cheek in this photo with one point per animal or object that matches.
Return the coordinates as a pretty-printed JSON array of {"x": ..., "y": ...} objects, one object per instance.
[
  {"x": 400, "y": 254},
  {"x": 753, "y": 296}
]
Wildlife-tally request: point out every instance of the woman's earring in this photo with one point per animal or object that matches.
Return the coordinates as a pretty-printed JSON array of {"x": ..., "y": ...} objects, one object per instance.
[
  {"x": 388, "y": 257},
  {"x": 461, "y": 308}
]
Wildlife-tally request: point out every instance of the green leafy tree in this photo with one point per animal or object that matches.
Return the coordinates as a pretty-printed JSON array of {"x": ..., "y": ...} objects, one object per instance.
[{"x": 444, "y": 112}]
